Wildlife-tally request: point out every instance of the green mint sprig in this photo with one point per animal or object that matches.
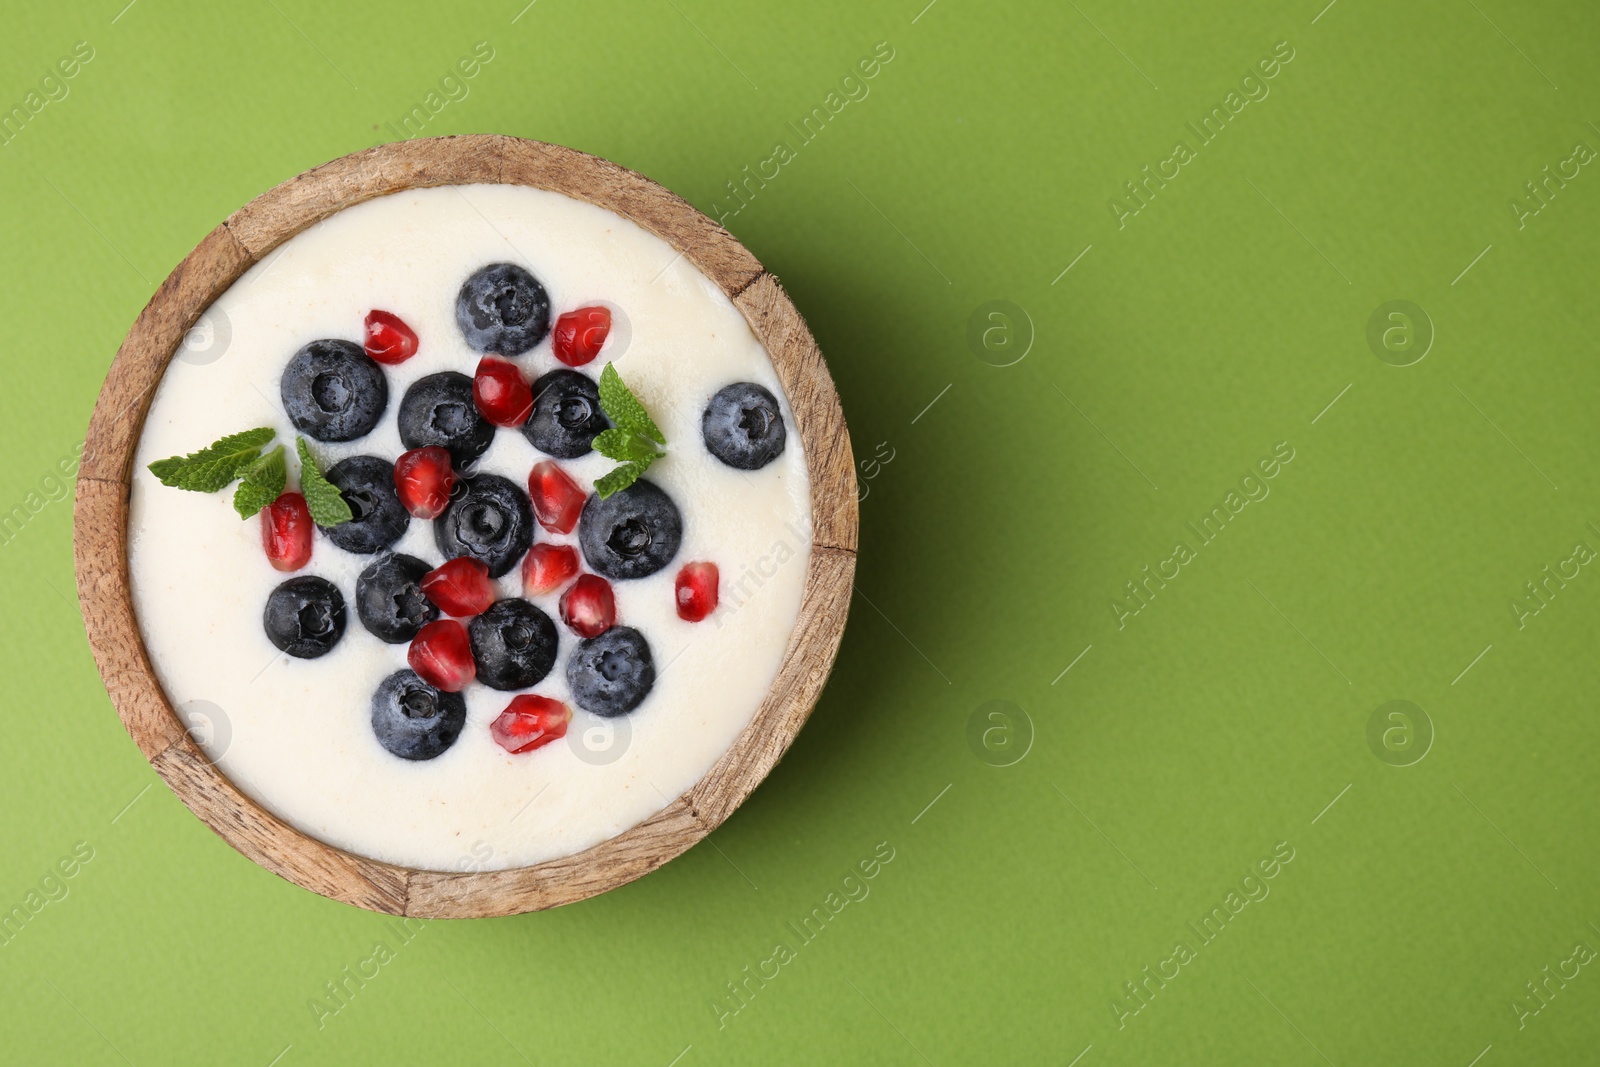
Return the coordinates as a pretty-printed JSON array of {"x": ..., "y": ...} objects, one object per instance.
[
  {"x": 634, "y": 440},
  {"x": 260, "y": 483},
  {"x": 323, "y": 499},
  {"x": 216, "y": 465},
  {"x": 262, "y": 477}
]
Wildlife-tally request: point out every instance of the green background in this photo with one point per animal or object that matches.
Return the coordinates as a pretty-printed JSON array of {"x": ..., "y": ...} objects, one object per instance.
[{"x": 1228, "y": 715}]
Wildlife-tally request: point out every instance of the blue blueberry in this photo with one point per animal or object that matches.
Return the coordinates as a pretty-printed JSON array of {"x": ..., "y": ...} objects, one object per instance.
[
  {"x": 743, "y": 426},
  {"x": 503, "y": 309},
  {"x": 489, "y": 519},
  {"x": 305, "y": 616},
  {"x": 437, "y": 411},
  {"x": 514, "y": 644},
  {"x": 566, "y": 414},
  {"x": 611, "y": 674},
  {"x": 333, "y": 391},
  {"x": 632, "y": 533},
  {"x": 367, "y": 485},
  {"x": 389, "y": 600},
  {"x": 413, "y": 720}
]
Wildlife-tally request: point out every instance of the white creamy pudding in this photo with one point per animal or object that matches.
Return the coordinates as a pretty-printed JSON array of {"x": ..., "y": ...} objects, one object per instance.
[{"x": 301, "y": 735}]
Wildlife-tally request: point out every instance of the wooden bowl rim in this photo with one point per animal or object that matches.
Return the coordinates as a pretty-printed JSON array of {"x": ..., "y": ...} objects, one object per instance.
[{"x": 101, "y": 509}]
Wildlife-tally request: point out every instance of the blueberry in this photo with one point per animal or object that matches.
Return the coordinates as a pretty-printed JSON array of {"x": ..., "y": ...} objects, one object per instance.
[
  {"x": 333, "y": 391},
  {"x": 566, "y": 414},
  {"x": 503, "y": 309},
  {"x": 632, "y": 533},
  {"x": 413, "y": 720},
  {"x": 390, "y": 602},
  {"x": 489, "y": 519},
  {"x": 438, "y": 411},
  {"x": 743, "y": 426},
  {"x": 514, "y": 644},
  {"x": 611, "y": 674},
  {"x": 305, "y": 616},
  {"x": 367, "y": 485}
]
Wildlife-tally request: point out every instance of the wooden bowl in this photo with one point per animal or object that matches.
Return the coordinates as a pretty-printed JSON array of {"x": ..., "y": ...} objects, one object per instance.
[{"x": 101, "y": 517}]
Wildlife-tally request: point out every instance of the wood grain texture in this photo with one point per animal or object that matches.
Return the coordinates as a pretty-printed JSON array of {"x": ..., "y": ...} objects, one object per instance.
[
  {"x": 268, "y": 221},
  {"x": 629, "y": 855},
  {"x": 830, "y": 463},
  {"x": 717, "y": 253},
  {"x": 101, "y": 516},
  {"x": 125, "y": 398},
  {"x": 307, "y": 199},
  {"x": 274, "y": 844},
  {"x": 100, "y": 523},
  {"x": 794, "y": 692}
]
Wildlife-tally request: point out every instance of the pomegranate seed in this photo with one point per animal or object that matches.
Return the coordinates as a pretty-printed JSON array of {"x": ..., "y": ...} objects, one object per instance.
[
  {"x": 424, "y": 479},
  {"x": 501, "y": 393},
  {"x": 557, "y": 499},
  {"x": 442, "y": 656},
  {"x": 286, "y": 528},
  {"x": 579, "y": 335},
  {"x": 589, "y": 608},
  {"x": 547, "y": 568},
  {"x": 696, "y": 589},
  {"x": 461, "y": 587},
  {"x": 530, "y": 722},
  {"x": 389, "y": 340}
]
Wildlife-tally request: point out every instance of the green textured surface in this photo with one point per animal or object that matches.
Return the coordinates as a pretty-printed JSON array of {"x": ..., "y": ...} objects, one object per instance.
[{"x": 1183, "y": 745}]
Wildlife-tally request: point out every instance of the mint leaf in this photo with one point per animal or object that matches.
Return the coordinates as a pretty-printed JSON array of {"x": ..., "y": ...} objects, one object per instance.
[
  {"x": 167, "y": 469},
  {"x": 623, "y": 408},
  {"x": 619, "y": 479},
  {"x": 262, "y": 481},
  {"x": 323, "y": 499},
  {"x": 214, "y": 474},
  {"x": 235, "y": 442},
  {"x": 626, "y": 446},
  {"x": 214, "y": 466},
  {"x": 635, "y": 440}
]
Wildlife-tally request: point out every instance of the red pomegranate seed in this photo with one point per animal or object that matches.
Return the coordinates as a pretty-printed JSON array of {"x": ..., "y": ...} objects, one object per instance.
[
  {"x": 442, "y": 656},
  {"x": 588, "y": 608},
  {"x": 547, "y": 568},
  {"x": 696, "y": 589},
  {"x": 579, "y": 335},
  {"x": 461, "y": 587},
  {"x": 530, "y": 722},
  {"x": 389, "y": 340},
  {"x": 557, "y": 499},
  {"x": 423, "y": 478},
  {"x": 286, "y": 529},
  {"x": 501, "y": 393}
]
